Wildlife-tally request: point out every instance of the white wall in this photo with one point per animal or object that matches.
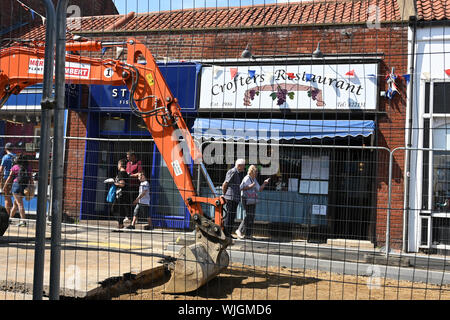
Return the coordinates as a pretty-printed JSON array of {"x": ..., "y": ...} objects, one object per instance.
[{"x": 432, "y": 57}]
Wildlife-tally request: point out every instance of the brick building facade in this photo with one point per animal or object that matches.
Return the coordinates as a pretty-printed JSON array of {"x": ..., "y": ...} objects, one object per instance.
[{"x": 283, "y": 30}]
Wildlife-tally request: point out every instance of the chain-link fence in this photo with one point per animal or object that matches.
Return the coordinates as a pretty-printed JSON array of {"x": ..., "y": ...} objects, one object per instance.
[{"x": 252, "y": 150}]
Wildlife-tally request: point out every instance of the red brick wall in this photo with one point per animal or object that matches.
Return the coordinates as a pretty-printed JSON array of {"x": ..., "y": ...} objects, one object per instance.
[
  {"x": 389, "y": 40},
  {"x": 74, "y": 162}
]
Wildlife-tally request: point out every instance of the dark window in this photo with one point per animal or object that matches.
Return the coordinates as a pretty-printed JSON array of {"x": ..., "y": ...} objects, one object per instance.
[
  {"x": 441, "y": 231},
  {"x": 426, "y": 133},
  {"x": 424, "y": 233},
  {"x": 441, "y": 97},
  {"x": 427, "y": 97}
]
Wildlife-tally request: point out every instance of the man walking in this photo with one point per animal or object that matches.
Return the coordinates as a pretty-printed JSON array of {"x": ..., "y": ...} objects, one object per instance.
[
  {"x": 232, "y": 194},
  {"x": 5, "y": 168}
]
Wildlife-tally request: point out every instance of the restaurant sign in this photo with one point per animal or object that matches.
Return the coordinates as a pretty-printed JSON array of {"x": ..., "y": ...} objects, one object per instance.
[{"x": 296, "y": 87}]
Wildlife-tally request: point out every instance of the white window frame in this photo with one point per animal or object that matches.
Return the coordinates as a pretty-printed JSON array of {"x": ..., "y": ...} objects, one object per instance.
[
  {"x": 433, "y": 117},
  {"x": 429, "y": 242}
]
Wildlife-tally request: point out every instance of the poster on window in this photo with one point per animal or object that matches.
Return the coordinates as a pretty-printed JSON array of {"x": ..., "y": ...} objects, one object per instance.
[{"x": 315, "y": 167}]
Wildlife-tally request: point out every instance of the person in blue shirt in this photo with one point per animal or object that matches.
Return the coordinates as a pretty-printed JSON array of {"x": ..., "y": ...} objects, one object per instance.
[{"x": 5, "y": 168}]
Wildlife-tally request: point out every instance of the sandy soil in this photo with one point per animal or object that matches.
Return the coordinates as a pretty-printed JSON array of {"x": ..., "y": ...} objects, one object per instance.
[{"x": 240, "y": 282}]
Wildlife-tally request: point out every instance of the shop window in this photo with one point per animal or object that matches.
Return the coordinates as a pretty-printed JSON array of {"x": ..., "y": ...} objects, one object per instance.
[
  {"x": 441, "y": 169},
  {"x": 441, "y": 182},
  {"x": 113, "y": 124},
  {"x": 37, "y": 139},
  {"x": 435, "y": 229},
  {"x": 426, "y": 156},
  {"x": 441, "y": 97},
  {"x": 137, "y": 125},
  {"x": 118, "y": 124},
  {"x": 425, "y": 231},
  {"x": 315, "y": 174},
  {"x": 441, "y": 231}
]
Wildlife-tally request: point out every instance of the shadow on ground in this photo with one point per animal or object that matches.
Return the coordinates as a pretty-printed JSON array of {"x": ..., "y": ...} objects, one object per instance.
[{"x": 234, "y": 278}]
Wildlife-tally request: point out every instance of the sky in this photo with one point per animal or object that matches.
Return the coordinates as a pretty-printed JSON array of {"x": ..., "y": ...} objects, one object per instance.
[{"x": 125, "y": 6}]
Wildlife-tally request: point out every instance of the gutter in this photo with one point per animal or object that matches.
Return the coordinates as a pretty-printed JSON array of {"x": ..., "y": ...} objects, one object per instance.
[{"x": 236, "y": 28}]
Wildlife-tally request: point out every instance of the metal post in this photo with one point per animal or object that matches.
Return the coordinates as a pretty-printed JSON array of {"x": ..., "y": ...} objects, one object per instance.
[
  {"x": 388, "y": 216},
  {"x": 58, "y": 143},
  {"x": 46, "y": 109}
]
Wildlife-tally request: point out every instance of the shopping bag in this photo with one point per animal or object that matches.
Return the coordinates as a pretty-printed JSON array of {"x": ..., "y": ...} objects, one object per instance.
[{"x": 111, "y": 194}]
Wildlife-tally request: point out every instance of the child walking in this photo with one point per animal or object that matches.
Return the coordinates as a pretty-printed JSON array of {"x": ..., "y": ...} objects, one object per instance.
[{"x": 142, "y": 203}]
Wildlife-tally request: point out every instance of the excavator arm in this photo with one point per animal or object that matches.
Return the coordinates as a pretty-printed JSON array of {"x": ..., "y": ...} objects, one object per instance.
[{"x": 150, "y": 97}]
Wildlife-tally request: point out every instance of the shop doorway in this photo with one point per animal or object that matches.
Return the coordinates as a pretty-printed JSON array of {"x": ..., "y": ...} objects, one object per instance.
[
  {"x": 352, "y": 195},
  {"x": 110, "y": 152}
]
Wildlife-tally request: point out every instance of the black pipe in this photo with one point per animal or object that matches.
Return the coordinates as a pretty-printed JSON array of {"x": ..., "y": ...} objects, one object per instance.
[
  {"x": 58, "y": 150},
  {"x": 46, "y": 104},
  {"x": 413, "y": 24}
]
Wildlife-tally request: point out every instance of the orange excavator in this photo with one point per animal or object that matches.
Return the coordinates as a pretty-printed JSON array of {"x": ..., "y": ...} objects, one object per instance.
[{"x": 22, "y": 65}]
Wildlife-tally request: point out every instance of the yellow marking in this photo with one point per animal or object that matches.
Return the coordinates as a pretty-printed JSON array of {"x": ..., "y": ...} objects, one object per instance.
[
  {"x": 150, "y": 80},
  {"x": 110, "y": 245}
]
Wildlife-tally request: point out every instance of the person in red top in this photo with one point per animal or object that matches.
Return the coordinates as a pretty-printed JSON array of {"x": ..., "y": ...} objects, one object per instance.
[{"x": 134, "y": 167}]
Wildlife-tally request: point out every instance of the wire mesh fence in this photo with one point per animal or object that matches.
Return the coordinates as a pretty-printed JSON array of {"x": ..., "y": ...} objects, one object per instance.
[{"x": 232, "y": 150}]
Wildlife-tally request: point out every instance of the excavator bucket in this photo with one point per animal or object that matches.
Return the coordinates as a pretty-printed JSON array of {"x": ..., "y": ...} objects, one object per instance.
[
  {"x": 198, "y": 263},
  {"x": 194, "y": 268}
]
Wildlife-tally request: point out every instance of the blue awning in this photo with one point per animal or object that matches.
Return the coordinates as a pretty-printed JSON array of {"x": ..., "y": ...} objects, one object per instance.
[{"x": 277, "y": 129}]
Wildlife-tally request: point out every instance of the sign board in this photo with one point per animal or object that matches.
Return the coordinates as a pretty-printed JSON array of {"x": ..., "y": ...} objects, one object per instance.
[
  {"x": 72, "y": 69},
  {"x": 292, "y": 87},
  {"x": 180, "y": 77}
]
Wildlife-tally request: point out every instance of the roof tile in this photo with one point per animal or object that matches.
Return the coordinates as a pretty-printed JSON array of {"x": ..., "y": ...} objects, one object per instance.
[
  {"x": 307, "y": 12},
  {"x": 430, "y": 10}
]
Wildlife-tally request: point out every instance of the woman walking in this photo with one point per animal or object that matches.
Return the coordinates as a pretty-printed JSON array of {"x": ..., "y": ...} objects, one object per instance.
[
  {"x": 20, "y": 178},
  {"x": 250, "y": 188},
  {"x": 122, "y": 202}
]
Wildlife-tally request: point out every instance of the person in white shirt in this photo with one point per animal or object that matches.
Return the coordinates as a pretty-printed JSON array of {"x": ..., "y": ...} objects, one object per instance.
[
  {"x": 142, "y": 203},
  {"x": 249, "y": 188}
]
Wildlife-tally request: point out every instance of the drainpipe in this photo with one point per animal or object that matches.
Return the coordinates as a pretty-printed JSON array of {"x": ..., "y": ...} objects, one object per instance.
[{"x": 408, "y": 127}]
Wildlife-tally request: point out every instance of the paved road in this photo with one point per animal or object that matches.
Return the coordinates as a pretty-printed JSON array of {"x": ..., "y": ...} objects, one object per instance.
[{"x": 92, "y": 252}]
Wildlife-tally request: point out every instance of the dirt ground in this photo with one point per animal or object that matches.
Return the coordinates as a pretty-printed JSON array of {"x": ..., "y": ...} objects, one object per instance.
[{"x": 240, "y": 282}]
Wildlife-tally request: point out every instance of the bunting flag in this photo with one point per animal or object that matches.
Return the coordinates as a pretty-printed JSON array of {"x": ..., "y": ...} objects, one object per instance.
[
  {"x": 392, "y": 89},
  {"x": 308, "y": 76},
  {"x": 271, "y": 76},
  {"x": 104, "y": 49},
  {"x": 290, "y": 75},
  {"x": 251, "y": 73},
  {"x": 233, "y": 72},
  {"x": 407, "y": 77},
  {"x": 33, "y": 13},
  {"x": 24, "y": 6},
  {"x": 351, "y": 73},
  {"x": 215, "y": 70},
  {"x": 447, "y": 72}
]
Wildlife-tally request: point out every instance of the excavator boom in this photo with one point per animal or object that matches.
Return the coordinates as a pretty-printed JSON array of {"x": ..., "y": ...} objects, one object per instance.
[{"x": 150, "y": 97}]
